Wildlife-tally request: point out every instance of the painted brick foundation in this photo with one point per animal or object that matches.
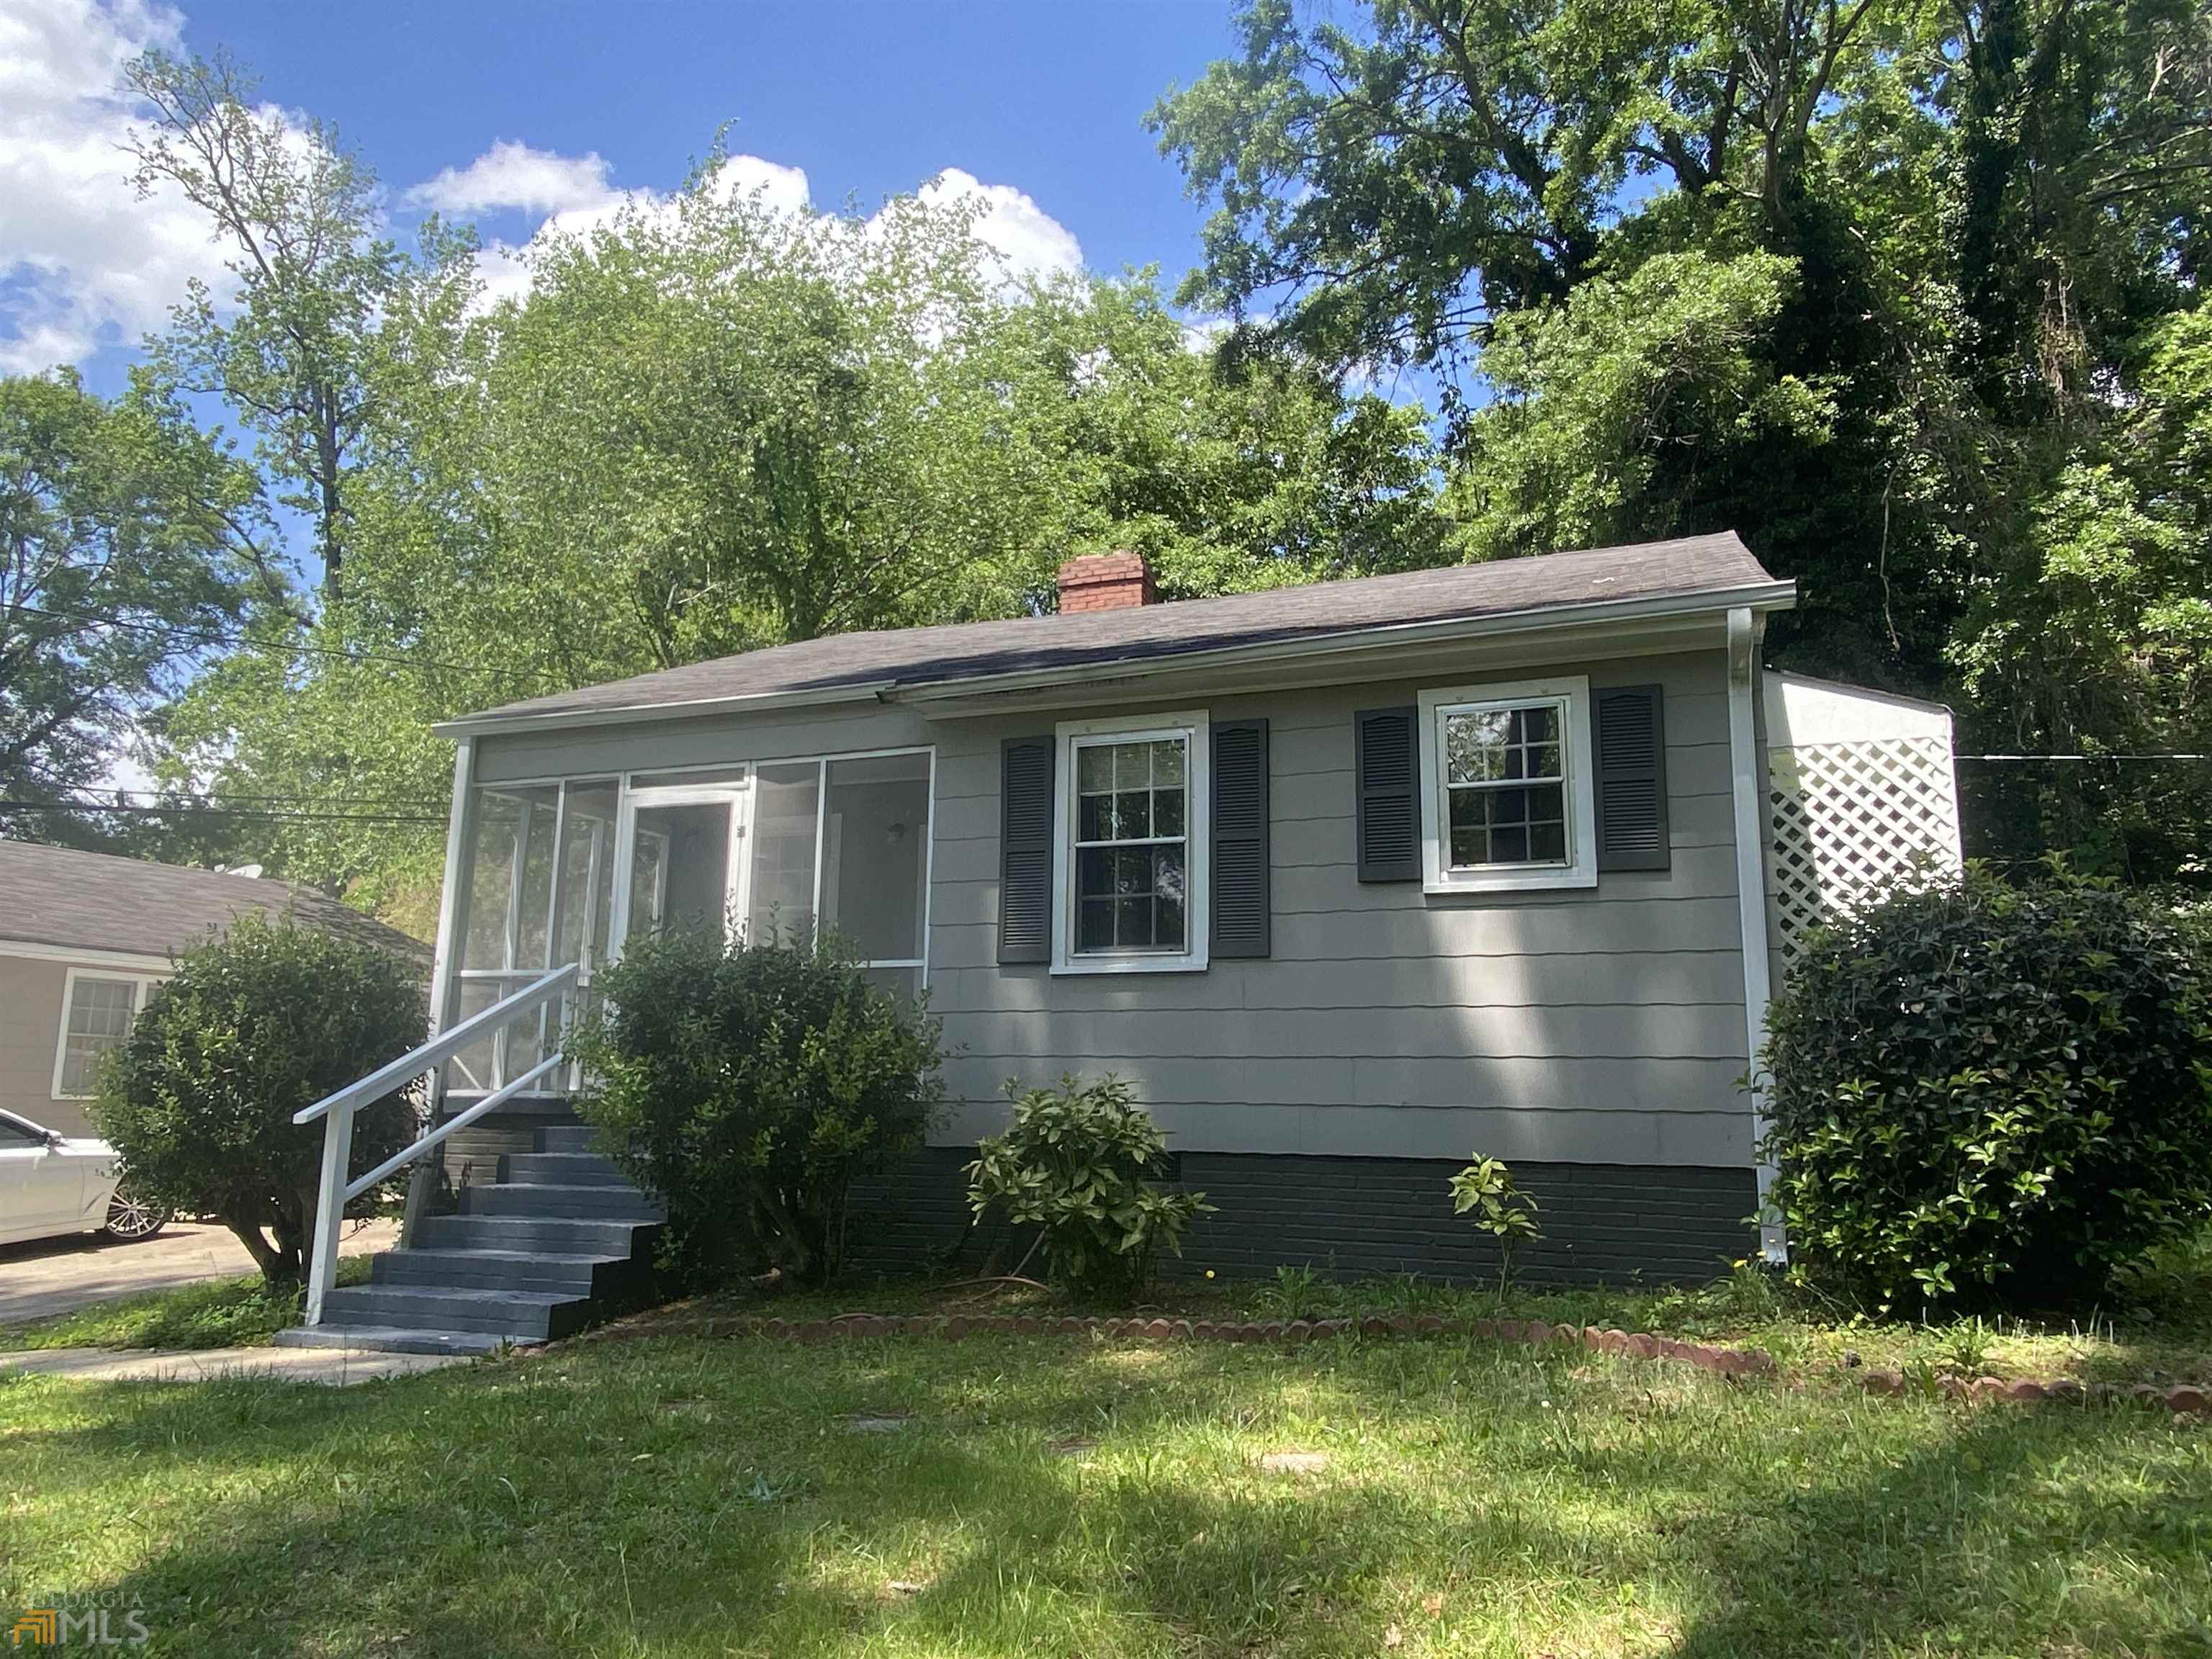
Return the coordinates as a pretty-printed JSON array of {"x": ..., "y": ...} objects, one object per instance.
[{"x": 1356, "y": 1216}]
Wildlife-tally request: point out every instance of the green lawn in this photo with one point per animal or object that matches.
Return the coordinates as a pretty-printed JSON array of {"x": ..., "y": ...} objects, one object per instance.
[
  {"x": 683, "y": 1495},
  {"x": 220, "y": 1313}
]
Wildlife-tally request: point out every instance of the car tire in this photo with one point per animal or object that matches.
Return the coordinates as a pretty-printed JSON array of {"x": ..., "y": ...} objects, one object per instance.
[{"x": 129, "y": 1221}]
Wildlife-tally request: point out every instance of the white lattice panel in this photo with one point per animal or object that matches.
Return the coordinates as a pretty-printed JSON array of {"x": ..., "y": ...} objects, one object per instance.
[{"x": 1849, "y": 821}]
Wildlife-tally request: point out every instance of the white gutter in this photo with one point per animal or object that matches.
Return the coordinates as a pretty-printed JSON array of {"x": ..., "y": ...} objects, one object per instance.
[{"x": 1743, "y": 686}]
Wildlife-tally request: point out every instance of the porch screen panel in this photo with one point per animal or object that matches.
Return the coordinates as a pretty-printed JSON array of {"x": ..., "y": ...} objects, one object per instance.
[
  {"x": 786, "y": 804},
  {"x": 876, "y": 861},
  {"x": 587, "y": 876}
]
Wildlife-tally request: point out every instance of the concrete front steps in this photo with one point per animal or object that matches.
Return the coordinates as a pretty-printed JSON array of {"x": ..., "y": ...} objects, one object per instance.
[{"x": 560, "y": 1239}]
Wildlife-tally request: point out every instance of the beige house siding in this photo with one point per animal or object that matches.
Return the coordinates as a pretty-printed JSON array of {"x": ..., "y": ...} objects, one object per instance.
[
  {"x": 1595, "y": 1026},
  {"x": 30, "y": 1030}
]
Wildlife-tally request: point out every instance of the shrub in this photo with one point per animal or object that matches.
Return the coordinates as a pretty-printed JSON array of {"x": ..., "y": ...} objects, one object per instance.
[
  {"x": 1981, "y": 1092},
  {"x": 1078, "y": 1162},
  {"x": 750, "y": 1087},
  {"x": 1486, "y": 1189},
  {"x": 247, "y": 1029}
]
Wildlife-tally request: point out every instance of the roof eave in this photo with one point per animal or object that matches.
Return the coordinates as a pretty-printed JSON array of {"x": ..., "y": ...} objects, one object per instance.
[
  {"x": 1658, "y": 608},
  {"x": 1392, "y": 637}
]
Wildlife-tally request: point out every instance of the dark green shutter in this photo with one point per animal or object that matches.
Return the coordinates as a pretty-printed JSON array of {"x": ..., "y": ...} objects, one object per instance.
[
  {"x": 1631, "y": 778},
  {"x": 1240, "y": 838},
  {"x": 1389, "y": 786},
  {"x": 1025, "y": 850}
]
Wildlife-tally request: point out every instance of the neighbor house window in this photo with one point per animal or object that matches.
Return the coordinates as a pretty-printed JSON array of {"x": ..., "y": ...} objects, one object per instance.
[
  {"x": 1131, "y": 864},
  {"x": 1506, "y": 771},
  {"x": 97, "y": 1010}
]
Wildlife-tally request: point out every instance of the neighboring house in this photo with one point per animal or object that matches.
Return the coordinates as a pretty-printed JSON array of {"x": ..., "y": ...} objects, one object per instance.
[
  {"x": 1351, "y": 881},
  {"x": 84, "y": 935}
]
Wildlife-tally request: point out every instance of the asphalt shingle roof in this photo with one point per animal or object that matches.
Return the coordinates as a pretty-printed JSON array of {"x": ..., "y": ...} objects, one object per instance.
[
  {"x": 56, "y": 895},
  {"x": 960, "y": 651}
]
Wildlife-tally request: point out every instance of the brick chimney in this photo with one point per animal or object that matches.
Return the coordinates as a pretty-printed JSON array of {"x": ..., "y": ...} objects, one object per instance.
[{"x": 1105, "y": 581}]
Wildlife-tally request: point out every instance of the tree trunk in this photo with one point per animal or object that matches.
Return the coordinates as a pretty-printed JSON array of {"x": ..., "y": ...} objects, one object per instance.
[{"x": 272, "y": 1262}]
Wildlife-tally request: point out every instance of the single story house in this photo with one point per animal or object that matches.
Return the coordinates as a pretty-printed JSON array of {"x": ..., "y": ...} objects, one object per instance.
[
  {"x": 84, "y": 935},
  {"x": 1351, "y": 881}
]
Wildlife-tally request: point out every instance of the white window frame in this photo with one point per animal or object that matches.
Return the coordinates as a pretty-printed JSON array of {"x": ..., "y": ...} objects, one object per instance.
[
  {"x": 139, "y": 982},
  {"x": 1570, "y": 694},
  {"x": 1193, "y": 728}
]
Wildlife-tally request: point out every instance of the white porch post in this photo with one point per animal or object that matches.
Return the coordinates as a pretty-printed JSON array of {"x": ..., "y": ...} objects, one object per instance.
[
  {"x": 452, "y": 896},
  {"x": 1743, "y": 631}
]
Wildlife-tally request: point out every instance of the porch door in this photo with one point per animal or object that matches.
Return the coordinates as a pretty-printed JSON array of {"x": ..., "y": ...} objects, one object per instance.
[{"x": 680, "y": 858}]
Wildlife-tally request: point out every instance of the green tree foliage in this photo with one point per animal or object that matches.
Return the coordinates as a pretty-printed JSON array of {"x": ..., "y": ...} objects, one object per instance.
[
  {"x": 750, "y": 1087},
  {"x": 711, "y": 425},
  {"x": 1079, "y": 1164},
  {"x": 1901, "y": 293},
  {"x": 127, "y": 540},
  {"x": 1980, "y": 1092},
  {"x": 246, "y": 1031},
  {"x": 299, "y": 215}
]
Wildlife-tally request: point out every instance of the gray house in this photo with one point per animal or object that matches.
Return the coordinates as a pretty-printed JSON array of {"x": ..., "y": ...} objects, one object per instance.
[
  {"x": 83, "y": 936},
  {"x": 1351, "y": 881}
]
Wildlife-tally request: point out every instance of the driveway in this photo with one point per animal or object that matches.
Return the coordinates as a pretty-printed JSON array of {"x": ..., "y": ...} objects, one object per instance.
[{"x": 55, "y": 1275}]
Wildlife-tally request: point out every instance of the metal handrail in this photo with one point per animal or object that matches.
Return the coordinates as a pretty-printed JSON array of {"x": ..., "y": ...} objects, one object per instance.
[{"x": 336, "y": 1112}]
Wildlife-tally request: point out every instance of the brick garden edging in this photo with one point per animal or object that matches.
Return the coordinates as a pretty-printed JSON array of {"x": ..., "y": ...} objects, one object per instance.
[
  {"x": 1641, "y": 1345},
  {"x": 2185, "y": 1397}
]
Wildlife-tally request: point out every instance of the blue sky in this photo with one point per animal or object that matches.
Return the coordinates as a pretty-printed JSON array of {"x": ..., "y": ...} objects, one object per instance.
[{"x": 1043, "y": 101}]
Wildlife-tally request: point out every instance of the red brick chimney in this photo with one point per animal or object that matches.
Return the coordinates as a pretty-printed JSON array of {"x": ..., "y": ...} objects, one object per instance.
[{"x": 1105, "y": 581}]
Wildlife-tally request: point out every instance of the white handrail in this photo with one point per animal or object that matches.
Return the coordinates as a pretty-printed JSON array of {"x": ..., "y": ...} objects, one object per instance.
[
  {"x": 336, "y": 1112},
  {"x": 441, "y": 1047}
]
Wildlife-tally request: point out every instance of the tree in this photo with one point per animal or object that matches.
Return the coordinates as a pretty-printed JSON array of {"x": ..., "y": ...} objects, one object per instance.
[
  {"x": 711, "y": 426},
  {"x": 246, "y": 1031},
  {"x": 300, "y": 214},
  {"x": 1981, "y": 215},
  {"x": 131, "y": 545}
]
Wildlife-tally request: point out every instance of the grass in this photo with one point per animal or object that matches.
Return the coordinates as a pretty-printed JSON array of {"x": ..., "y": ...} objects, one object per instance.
[
  {"x": 219, "y": 1313},
  {"x": 672, "y": 1495}
]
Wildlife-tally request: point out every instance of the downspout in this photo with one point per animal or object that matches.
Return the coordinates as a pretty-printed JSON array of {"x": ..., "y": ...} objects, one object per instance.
[
  {"x": 422, "y": 1185},
  {"x": 1743, "y": 634}
]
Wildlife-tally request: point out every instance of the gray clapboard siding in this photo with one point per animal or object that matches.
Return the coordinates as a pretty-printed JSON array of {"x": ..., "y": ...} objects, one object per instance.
[
  {"x": 1621, "y": 1032},
  {"x": 1625, "y": 978}
]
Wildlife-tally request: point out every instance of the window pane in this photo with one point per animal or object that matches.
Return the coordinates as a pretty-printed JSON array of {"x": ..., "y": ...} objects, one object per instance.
[
  {"x": 491, "y": 879},
  {"x": 1133, "y": 766},
  {"x": 587, "y": 873},
  {"x": 99, "y": 1014},
  {"x": 1094, "y": 925},
  {"x": 1094, "y": 768},
  {"x": 537, "y": 816},
  {"x": 899, "y": 981},
  {"x": 1168, "y": 812},
  {"x": 1170, "y": 904},
  {"x": 786, "y": 804},
  {"x": 1094, "y": 818},
  {"x": 703, "y": 777},
  {"x": 1132, "y": 816},
  {"x": 1475, "y": 745},
  {"x": 1548, "y": 842},
  {"x": 1094, "y": 872},
  {"x": 1168, "y": 764},
  {"x": 876, "y": 872},
  {"x": 1133, "y": 923},
  {"x": 682, "y": 867}
]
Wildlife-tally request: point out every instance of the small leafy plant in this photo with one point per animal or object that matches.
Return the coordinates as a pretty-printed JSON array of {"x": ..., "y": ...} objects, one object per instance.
[
  {"x": 1297, "y": 1294},
  {"x": 1079, "y": 1162},
  {"x": 1486, "y": 1191}
]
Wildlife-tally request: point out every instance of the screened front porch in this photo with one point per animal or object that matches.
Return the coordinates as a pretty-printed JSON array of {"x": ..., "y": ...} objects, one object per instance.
[{"x": 563, "y": 869}]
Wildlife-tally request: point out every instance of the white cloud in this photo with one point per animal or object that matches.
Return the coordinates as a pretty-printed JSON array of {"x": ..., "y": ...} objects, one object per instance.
[
  {"x": 1029, "y": 241},
  {"x": 573, "y": 193},
  {"x": 84, "y": 263},
  {"x": 511, "y": 175}
]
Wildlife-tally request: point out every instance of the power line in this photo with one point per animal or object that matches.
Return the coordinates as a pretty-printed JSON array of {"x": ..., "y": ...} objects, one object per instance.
[
  {"x": 2084, "y": 759},
  {"x": 221, "y": 812},
  {"x": 239, "y": 641},
  {"x": 157, "y": 799}
]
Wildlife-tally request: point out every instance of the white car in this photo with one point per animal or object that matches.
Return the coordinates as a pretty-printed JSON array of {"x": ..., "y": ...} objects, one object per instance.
[{"x": 52, "y": 1186}]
